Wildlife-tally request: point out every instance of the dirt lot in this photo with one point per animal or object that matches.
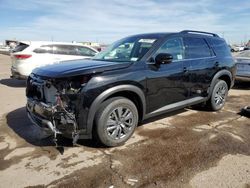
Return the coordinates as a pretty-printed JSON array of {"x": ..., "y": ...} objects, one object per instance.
[{"x": 187, "y": 148}]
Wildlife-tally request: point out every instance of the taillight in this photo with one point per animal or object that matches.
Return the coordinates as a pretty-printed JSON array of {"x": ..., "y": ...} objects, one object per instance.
[{"x": 22, "y": 56}]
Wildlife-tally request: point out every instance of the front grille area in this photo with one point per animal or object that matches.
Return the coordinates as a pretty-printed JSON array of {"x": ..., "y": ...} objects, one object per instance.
[
  {"x": 39, "y": 89},
  {"x": 35, "y": 88}
]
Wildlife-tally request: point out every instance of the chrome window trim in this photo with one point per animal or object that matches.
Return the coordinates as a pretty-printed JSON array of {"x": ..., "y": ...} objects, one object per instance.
[{"x": 194, "y": 59}]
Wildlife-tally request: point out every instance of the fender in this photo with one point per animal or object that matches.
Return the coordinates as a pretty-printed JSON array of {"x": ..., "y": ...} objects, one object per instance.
[
  {"x": 104, "y": 95},
  {"x": 216, "y": 76}
]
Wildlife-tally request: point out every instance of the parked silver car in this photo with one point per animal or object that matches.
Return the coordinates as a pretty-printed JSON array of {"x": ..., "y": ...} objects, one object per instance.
[{"x": 243, "y": 66}]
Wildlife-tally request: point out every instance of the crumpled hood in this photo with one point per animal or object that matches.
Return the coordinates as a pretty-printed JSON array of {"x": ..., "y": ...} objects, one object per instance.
[{"x": 77, "y": 67}]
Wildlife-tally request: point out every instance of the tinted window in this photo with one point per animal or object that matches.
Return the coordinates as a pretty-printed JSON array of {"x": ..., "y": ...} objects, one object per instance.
[
  {"x": 174, "y": 47},
  {"x": 220, "y": 47},
  {"x": 64, "y": 49},
  {"x": 84, "y": 51},
  {"x": 196, "y": 48},
  {"x": 20, "y": 47},
  {"x": 44, "y": 49}
]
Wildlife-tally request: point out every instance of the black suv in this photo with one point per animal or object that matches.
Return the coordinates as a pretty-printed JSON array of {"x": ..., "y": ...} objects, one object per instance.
[{"x": 135, "y": 78}]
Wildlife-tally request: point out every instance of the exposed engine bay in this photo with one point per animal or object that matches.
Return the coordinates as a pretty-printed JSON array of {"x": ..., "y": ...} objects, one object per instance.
[{"x": 52, "y": 104}]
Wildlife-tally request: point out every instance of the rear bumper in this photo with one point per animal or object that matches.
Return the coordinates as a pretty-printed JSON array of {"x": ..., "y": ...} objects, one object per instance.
[
  {"x": 243, "y": 78},
  {"x": 15, "y": 74}
]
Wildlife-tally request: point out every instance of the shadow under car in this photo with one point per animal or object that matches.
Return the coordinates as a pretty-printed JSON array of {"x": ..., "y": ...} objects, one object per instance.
[{"x": 13, "y": 82}]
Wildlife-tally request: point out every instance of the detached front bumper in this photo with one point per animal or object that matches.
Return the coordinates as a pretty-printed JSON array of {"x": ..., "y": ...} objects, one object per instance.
[{"x": 41, "y": 115}]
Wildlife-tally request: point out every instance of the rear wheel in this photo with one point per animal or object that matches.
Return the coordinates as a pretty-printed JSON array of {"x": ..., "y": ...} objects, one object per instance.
[
  {"x": 116, "y": 121},
  {"x": 219, "y": 95}
]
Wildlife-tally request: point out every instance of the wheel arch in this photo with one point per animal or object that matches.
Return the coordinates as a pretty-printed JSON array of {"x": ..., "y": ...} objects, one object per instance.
[
  {"x": 221, "y": 75},
  {"x": 134, "y": 93}
]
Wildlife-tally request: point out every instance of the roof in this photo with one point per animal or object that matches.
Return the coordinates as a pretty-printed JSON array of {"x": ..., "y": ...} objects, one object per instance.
[
  {"x": 39, "y": 43},
  {"x": 151, "y": 35},
  {"x": 48, "y": 42},
  {"x": 164, "y": 34}
]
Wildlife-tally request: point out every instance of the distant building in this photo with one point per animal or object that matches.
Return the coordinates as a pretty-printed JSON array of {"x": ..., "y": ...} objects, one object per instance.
[
  {"x": 95, "y": 45},
  {"x": 91, "y": 43}
]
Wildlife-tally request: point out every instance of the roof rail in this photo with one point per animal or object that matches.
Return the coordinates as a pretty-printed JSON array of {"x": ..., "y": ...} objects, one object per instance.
[{"x": 199, "y": 32}]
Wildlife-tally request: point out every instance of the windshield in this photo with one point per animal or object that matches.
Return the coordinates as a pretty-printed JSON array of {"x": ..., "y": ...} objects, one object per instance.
[
  {"x": 130, "y": 49},
  {"x": 244, "y": 54}
]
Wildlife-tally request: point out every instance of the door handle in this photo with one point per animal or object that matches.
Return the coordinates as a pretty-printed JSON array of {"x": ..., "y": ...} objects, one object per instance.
[
  {"x": 185, "y": 69},
  {"x": 216, "y": 64}
]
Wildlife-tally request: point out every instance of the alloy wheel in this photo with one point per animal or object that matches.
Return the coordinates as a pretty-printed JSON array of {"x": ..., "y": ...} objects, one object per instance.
[
  {"x": 119, "y": 123},
  {"x": 220, "y": 95}
]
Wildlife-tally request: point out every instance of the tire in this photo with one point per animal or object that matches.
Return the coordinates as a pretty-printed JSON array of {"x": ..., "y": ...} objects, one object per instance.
[
  {"x": 122, "y": 115},
  {"x": 219, "y": 96}
]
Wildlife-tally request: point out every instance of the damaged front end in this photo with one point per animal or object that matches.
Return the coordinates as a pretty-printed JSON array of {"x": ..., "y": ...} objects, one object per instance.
[{"x": 53, "y": 104}]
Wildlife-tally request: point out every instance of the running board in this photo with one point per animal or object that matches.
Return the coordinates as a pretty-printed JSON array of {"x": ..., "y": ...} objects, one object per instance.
[{"x": 176, "y": 106}]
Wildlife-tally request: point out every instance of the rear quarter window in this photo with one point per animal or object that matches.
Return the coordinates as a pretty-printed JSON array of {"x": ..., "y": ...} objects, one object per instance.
[
  {"x": 20, "y": 47},
  {"x": 220, "y": 47},
  {"x": 64, "y": 49}
]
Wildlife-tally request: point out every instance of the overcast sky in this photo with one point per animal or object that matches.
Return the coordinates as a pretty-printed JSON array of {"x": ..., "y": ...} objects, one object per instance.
[{"x": 109, "y": 20}]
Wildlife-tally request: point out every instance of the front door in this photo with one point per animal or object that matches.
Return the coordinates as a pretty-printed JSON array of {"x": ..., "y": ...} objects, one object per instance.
[{"x": 166, "y": 82}]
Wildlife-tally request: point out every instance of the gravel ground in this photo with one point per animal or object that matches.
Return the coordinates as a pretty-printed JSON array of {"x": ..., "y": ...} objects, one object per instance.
[{"x": 187, "y": 148}]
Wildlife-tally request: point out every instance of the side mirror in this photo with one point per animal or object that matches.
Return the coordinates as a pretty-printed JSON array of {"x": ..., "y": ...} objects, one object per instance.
[{"x": 163, "y": 58}]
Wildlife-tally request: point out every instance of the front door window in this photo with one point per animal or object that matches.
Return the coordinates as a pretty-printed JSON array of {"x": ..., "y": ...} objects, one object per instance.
[{"x": 174, "y": 47}]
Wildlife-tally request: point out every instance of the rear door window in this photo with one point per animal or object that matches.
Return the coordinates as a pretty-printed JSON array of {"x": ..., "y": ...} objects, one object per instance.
[
  {"x": 20, "y": 47},
  {"x": 84, "y": 51},
  {"x": 64, "y": 49},
  {"x": 196, "y": 48},
  {"x": 44, "y": 49}
]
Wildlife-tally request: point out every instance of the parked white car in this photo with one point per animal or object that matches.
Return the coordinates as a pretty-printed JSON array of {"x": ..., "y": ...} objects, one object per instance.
[
  {"x": 5, "y": 50},
  {"x": 238, "y": 48},
  {"x": 29, "y": 55}
]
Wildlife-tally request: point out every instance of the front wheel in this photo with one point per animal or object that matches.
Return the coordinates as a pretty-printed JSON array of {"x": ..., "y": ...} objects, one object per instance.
[
  {"x": 219, "y": 95},
  {"x": 116, "y": 121}
]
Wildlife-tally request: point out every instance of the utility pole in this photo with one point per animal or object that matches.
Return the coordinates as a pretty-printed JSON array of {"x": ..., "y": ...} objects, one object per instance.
[{"x": 245, "y": 39}]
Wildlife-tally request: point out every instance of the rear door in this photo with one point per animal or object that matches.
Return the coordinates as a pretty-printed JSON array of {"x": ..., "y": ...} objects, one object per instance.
[
  {"x": 64, "y": 52},
  {"x": 202, "y": 65},
  {"x": 43, "y": 55}
]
